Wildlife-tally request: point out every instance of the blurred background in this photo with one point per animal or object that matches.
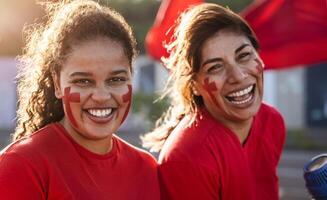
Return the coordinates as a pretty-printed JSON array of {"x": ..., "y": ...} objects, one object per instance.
[{"x": 299, "y": 91}]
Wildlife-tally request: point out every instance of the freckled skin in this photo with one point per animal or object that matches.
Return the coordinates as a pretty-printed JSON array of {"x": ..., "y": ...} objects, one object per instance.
[
  {"x": 70, "y": 98},
  {"x": 127, "y": 98}
]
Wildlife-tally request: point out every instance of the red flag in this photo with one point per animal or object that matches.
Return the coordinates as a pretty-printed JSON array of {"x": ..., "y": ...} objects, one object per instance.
[
  {"x": 290, "y": 32},
  {"x": 167, "y": 15}
]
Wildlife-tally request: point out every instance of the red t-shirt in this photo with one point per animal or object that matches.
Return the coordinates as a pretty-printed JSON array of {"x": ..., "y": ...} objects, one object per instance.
[
  {"x": 51, "y": 165},
  {"x": 205, "y": 160}
]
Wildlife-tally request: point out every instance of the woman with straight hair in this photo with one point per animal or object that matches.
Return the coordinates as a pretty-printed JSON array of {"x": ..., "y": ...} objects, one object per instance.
[
  {"x": 74, "y": 92},
  {"x": 218, "y": 140}
]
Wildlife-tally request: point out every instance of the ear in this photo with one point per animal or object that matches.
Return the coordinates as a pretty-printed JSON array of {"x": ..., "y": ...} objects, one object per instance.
[
  {"x": 56, "y": 84},
  {"x": 195, "y": 88}
]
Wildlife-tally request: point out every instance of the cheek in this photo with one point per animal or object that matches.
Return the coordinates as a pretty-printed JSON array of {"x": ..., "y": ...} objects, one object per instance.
[
  {"x": 122, "y": 95},
  {"x": 68, "y": 99},
  {"x": 127, "y": 98},
  {"x": 210, "y": 87},
  {"x": 258, "y": 66}
]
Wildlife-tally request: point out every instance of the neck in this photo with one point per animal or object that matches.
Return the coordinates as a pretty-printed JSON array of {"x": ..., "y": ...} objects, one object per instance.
[
  {"x": 98, "y": 146},
  {"x": 240, "y": 128}
]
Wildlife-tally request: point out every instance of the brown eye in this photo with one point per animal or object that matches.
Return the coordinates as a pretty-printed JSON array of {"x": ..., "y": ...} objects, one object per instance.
[
  {"x": 214, "y": 68},
  {"x": 82, "y": 82},
  {"x": 116, "y": 80},
  {"x": 244, "y": 56}
]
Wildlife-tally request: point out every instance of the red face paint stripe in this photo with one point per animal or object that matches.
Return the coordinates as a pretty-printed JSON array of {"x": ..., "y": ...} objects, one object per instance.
[
  {"x": 70, "y": 97},
  {"x": 210, "y": 88},
  {"x": 127, "y": 98},
  {"x": 259, "y": 66}
]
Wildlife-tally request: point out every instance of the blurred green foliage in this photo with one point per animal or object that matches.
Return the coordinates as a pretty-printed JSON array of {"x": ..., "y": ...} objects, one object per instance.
[
  {"x": 148, "y": 106},
  {"x": 235, "y": 5},
  {"x": 303, "y": 139},
  {"x": 140, "y": 14}
]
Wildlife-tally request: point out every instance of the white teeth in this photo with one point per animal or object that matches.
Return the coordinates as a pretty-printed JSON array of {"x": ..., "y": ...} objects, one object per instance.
[
  {"x": 241, "y": 92},
  {"x": 244, "y": 101},
  {"x": 100, "y": 112}
]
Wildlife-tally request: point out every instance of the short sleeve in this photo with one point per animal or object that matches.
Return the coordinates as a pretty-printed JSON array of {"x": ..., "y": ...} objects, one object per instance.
[
  {"x": 182, "y": 180},
  {"x": 18, "y": 179}
]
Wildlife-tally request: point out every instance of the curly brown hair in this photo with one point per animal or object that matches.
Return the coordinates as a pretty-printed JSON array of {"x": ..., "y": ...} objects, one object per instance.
[
  {"x": 48, "y": 44},
  {"x": 195, "y": 27}
]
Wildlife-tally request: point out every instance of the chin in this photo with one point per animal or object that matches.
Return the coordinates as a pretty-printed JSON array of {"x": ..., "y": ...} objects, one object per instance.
[{"x": 102, "y": 132}]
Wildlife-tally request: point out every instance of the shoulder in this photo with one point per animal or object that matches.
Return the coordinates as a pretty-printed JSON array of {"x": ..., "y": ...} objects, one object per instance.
[
  {"x": 134, "y": 154},
  {"x": 26, "y": 154},
  {"x": 188, "y": 141},
  {"x": 270, "y": 117},
  {"x": 269, "y": 111},
  {"x": 35, "y": 145},
  {"x": 270, "y": 121}
]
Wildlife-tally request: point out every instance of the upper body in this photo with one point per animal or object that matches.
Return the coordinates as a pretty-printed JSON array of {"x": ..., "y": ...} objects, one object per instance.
[
  {"x": 231, "y": 149},
  {"x": 51, "y": 165},
  {"x": 74, "y": 92},
  {"x": 203, "y": 159}
]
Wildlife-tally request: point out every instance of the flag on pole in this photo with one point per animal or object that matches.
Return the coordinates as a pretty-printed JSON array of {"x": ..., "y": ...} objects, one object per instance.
[
  {"x": 161, "y": 32},
  {"x": 290, "y": 32}
]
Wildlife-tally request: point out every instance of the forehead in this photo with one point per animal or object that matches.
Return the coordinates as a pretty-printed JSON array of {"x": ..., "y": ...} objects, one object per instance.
[
  {"x": 97, "y": 55},
  {"x": 223, "y": 43}
]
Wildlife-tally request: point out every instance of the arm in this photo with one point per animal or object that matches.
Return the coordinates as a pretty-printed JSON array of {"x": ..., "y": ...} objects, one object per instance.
[
  {"x": 182, "y": 180},
  {"x": 18, "y": 179}
]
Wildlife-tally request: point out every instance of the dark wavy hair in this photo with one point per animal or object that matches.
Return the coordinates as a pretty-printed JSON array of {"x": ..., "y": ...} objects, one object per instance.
[
  {"x": 69, "y": 23},
  {"x": 195, "y": 27}
]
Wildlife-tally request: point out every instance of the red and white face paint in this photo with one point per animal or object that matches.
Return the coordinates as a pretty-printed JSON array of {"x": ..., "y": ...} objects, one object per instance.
[
  {"x": 127, "y": 98},
  {"x": 230, "y": 77},
  {"x": 67, "y": 100},
  {"x": 95, "y": 82},
  {"x": 259, "y": 66}
]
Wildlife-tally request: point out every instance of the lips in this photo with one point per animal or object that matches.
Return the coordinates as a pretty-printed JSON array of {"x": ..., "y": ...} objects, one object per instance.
[
  {"x": 100, "y": 115},
  {"x": 241, "y": 96}
]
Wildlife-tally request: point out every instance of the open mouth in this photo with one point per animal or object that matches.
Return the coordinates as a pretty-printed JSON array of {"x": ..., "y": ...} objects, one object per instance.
[
  {"x": 101, "y": 113},
  {"x": 241, "y": 96}
]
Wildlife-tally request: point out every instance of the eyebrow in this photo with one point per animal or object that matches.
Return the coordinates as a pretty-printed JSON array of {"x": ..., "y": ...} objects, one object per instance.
[
  {"x": 88, "y": 74},
  {"x": 122, "y": 71},
  {"x": 220, "y": 59},
  {"x": 80, "y": 74},
  {"x": 211, "y": 61},
  {"x": 241, "y": 47}
]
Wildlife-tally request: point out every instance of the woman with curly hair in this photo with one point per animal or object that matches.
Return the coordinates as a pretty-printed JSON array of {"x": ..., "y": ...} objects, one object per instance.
[
  {"x": 218, "y": 140},
  {"x": 74, "y": 90}
]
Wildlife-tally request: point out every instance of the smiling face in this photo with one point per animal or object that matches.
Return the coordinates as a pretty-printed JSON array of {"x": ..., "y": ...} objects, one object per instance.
[
  {"x": 95, "y": 86},
  {"x": 230, "y": 77}
]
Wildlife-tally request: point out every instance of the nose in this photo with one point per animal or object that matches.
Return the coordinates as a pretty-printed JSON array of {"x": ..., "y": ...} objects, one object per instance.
[
  {"x": 236, "y": 74},
  {"x": 101, "y": 94}
]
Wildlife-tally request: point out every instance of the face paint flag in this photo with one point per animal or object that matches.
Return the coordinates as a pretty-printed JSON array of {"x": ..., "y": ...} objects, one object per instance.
[
  {"x": 290, "y": 32},
  {"x": 68, "y": 98},
  {"x": 160, "y": 33},
  {"x": 210, "y": 87},
  {"x": 127, "y": 98},
  {"x": 259, "y": 65}
]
